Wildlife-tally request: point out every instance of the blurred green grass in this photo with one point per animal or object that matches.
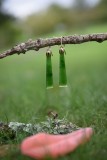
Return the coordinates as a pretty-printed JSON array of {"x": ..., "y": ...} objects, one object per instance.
[{"x": 23, "y": 98}]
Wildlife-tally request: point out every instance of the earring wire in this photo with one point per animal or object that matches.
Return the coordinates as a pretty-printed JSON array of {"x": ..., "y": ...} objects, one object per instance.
[{"x": 61, "y": 40}]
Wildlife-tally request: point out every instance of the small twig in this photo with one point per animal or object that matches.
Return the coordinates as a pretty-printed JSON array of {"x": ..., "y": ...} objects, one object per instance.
[{"x": 41, "y": 43}]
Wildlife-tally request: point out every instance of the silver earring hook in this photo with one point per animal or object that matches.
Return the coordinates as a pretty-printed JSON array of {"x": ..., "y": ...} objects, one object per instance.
[
  {"x": 62, "y": 49},
  {"x": 49, "y": 52},
  {"x": 61, "y": 40}
]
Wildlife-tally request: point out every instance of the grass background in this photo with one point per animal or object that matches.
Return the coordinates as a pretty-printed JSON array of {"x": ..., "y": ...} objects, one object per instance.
[{"x": 23, "y": 93}]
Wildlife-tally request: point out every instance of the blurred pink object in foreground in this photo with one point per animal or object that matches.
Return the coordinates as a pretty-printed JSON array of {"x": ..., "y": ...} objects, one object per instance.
[{"x": 44, "y": 145}]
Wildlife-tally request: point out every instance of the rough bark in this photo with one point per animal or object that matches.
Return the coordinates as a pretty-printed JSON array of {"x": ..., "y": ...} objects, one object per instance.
[{"x": 41, "y": 43}]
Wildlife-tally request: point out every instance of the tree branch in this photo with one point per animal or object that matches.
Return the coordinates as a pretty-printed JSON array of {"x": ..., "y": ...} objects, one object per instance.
[{"x": 41, "y": 43}]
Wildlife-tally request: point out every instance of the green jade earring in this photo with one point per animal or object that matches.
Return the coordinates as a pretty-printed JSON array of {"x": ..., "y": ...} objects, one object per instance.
[
  {"x": 49, "y": 74},
  {"x": 64, "y": 91},
  {"x": 62, "y": 68}
]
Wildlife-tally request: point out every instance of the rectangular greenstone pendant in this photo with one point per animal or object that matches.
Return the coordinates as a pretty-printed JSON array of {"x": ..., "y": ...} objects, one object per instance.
[
  {"x": 49, "y": 75},
  {"x": 62, "y": 71}
]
